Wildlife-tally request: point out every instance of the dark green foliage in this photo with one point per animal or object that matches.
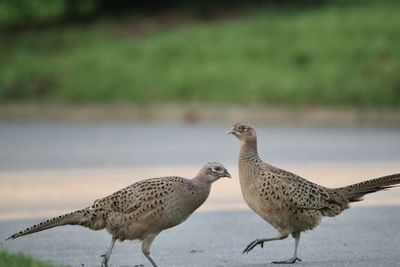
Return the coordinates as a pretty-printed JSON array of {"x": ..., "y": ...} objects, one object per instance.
[
  {"x": 27, "y": 12},
  {"x": 337, "y": 55},
  {"x": 18, "y": 260}
]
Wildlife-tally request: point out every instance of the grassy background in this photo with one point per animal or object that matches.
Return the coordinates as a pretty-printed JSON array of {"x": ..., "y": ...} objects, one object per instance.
[
  {"x": 335, "y": 55},
  {"x": 18, "y": 260}
]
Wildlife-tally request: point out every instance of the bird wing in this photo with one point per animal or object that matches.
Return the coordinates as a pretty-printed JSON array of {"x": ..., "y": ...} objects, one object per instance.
[
  {"x": 304, "y": 194},
  {"x": 141, "y": 197}
]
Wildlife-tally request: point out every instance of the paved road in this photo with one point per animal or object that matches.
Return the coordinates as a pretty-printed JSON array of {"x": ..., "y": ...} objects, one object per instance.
[
  {"x": 362, "y": 236},
  {"x": 32, "y": 146},
  {"x": 366, "y": 236}
]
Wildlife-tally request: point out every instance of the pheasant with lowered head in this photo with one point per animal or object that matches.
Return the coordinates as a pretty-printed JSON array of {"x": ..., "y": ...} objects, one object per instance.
[{"x": 142, "y": 210}]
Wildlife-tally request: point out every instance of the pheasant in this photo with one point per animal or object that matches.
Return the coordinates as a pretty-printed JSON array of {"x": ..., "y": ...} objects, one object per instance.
[
  {"x": 141, "y": 210},
  {"x": 290, "y": 203}
]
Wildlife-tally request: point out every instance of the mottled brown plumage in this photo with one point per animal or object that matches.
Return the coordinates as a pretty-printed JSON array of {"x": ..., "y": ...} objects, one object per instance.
[
  {"x": 290, "y": 203},
  {"x": 142, "y": 210}
]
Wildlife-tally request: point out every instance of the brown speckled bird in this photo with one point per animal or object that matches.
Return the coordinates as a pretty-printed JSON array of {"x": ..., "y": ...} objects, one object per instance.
[
  {"x": 292, "y": 204},
  {"x": 142, "y": 210}
]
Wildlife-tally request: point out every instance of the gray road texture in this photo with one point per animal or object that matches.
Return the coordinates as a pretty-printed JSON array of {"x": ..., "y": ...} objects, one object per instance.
[
  {"x": 35, "y": 146},
  {"x": 361, "y": 236}
]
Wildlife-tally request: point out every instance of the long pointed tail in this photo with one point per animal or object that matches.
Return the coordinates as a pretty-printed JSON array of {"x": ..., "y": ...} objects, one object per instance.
[
  {"x": 76, "y": 217},
  {"x": 355, "y": 192}
]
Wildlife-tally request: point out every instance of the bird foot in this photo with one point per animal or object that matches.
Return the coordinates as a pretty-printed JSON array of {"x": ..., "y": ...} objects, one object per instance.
[
  {"x": 104, "y": 261},
  {"x": 253, "y": 245},
  {"x": 289, "y": 261}
]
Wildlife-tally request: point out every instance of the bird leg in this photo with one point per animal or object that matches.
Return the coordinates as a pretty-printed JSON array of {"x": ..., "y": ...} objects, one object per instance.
[
  {"x": 261, "y": 242},
  {"x": 146, "y": 248},
  {"x": 294, "y": 258},
  {"x": 106, "y": 256}
]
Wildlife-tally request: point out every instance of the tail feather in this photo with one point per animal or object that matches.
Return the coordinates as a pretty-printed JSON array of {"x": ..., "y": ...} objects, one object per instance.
[
  {"x": 355, "y": 192},
  {"x": 76, "y": 217}
]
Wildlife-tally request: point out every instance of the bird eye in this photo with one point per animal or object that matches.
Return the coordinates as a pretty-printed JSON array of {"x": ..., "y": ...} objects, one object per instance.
[
  {"x": 243, "y": 128},
  {"x": 216, "y": 169}
]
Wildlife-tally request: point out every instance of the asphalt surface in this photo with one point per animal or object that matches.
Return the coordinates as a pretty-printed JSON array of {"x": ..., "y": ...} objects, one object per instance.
[
  {"x": 361, "y": 236},
  {"x": 41, "y": 145}
]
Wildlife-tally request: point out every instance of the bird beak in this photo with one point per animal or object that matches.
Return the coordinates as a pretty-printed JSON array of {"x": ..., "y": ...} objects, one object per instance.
[
  {"x": 227, "y": 174},
  {"x": 233, "y": 131}
]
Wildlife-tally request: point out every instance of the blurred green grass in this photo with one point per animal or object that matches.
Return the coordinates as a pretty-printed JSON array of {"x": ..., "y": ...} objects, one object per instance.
[
  {"x": 341, "y": 55},
  {"x": 19, "y": 260}
]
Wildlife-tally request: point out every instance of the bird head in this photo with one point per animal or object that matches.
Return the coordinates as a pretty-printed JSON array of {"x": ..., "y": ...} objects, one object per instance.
[
  {"x": 214, "y": 170},
  {"x": 244, "y": 132}
]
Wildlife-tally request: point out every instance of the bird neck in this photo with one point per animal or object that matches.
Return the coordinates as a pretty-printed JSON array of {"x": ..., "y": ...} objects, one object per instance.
[
  {"x": 201, "y": 188},
  {"x": 201, "y": 180},
  {"x": 248, "y": 148}
]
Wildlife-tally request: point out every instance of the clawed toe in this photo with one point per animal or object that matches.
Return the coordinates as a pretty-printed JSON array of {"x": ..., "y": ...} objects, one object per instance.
[
  {"x": 105, "y": 260},
  {"x": 253, "y": 245},
  {"x": 289, "y": 261}
]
